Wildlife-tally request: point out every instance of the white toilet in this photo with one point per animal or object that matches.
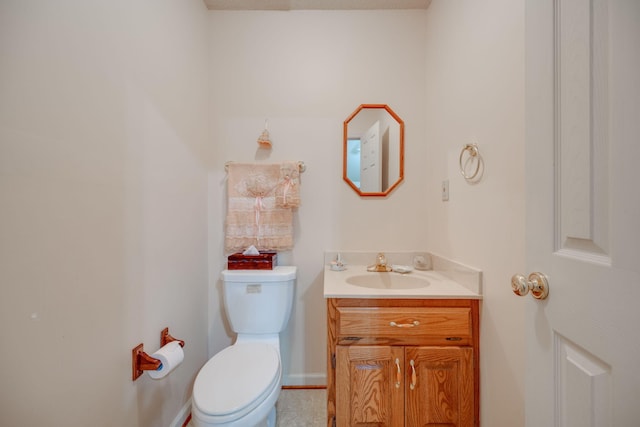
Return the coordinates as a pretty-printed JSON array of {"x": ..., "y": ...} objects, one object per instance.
[{"x": 239, "y": 386}]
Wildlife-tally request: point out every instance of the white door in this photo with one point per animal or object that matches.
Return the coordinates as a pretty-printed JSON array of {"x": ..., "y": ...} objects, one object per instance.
[
  {"x": 583, "y": 212},
  {"x": 370, "y": 158}
]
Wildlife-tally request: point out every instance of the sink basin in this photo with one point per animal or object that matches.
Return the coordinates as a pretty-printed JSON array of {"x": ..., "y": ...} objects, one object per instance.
[{"x": 388, "y": 281}]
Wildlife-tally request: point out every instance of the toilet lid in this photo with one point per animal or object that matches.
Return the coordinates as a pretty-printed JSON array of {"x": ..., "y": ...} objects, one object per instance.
[{"x": 235, "y": 379}]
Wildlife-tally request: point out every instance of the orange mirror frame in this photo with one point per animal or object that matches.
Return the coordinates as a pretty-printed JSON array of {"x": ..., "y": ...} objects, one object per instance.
[{"x": 373, "y": 150}]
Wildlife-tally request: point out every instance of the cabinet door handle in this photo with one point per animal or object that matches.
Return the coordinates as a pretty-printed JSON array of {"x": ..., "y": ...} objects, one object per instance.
[
  {"x": 405, "y": 325},
  {"x": 398, "y": 373},
  {"x": 414, "y": 377}
]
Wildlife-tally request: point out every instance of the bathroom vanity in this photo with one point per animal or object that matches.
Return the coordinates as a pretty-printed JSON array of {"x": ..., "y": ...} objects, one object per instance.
[{"x": 403, "y": 351}]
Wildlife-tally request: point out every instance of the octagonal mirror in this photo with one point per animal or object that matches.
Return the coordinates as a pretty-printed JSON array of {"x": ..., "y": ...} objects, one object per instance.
[{"x": 373, "y": 150}]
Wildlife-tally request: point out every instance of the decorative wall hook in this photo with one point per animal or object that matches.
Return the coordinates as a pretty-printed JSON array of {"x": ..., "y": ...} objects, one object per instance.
[{"x": 263, "y": 140}]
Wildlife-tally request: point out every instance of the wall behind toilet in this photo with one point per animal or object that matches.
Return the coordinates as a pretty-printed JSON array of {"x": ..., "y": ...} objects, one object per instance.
[
  {"x": 455, "y": 74},
  {"x": 306, "y": 72}
]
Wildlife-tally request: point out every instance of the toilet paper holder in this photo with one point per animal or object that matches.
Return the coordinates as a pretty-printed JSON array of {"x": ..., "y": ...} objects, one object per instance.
[
  {"x": 165, "y": 338},
  {"x": 141, "y": 361}
]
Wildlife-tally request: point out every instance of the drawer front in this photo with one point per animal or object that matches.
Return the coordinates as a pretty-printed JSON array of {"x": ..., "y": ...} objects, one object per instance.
[{"x": 404, "y": 322}]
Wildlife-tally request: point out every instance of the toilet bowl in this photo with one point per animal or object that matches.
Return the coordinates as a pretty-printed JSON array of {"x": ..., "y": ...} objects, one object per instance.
[{"x": 239, "y": 386}]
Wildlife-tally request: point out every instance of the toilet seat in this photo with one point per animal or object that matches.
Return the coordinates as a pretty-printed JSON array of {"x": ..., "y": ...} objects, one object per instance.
[{"x": 236, "y": 380}]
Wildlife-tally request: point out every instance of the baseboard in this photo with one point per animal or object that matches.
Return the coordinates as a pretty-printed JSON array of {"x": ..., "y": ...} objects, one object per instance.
[
  {"x": 305, "y": 379},
  {"x": 183, "y": 416},
  {"x": 304, "y": 387}
]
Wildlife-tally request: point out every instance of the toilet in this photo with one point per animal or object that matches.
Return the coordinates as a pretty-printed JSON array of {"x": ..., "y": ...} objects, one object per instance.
[{"x": 239, "y": 386}]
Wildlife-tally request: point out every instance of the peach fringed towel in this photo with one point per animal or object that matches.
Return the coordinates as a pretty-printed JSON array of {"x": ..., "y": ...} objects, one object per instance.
[
  {"x": 260, "y": 202},
  {"x": 288, "y": 190}
]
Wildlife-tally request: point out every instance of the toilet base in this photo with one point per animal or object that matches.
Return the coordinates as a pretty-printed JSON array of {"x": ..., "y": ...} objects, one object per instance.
[
  {"x": 262, "y": 416},
  {"x": 269, "y": 421}
]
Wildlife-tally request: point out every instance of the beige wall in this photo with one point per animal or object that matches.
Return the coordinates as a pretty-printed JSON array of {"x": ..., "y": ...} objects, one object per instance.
[
  {"x": 116, "y": 120},
  {"x": 455, "y": 74},
  {"x": 475, "y": 93},
  {"x": 102, "y": 207},
  {"x": 307, "y": 71}
]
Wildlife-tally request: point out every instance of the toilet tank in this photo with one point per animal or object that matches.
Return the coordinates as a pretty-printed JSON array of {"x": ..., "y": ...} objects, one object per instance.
[{"x": 259, "y": 301}]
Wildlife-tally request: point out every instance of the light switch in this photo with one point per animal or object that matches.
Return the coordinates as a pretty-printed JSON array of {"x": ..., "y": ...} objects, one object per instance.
[{"x": 445, "y": 190}]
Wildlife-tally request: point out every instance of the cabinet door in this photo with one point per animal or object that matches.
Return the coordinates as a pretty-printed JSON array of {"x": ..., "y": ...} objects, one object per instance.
[
  {"x": 439, "y": 386},
  {"x": 369, "y": 386}
]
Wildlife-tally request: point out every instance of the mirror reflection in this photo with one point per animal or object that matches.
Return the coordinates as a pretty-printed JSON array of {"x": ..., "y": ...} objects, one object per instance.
[{"x": 373, "y": 151}]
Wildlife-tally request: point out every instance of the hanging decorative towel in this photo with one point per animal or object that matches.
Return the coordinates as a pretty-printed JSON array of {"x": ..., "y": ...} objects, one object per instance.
[
  {"x": 253, "y": 214},
  {"x": 288, "y": 190}
]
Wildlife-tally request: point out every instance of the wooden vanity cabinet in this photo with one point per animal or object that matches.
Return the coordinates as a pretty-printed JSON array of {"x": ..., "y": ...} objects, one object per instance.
[{"x": 404, "y": 362}]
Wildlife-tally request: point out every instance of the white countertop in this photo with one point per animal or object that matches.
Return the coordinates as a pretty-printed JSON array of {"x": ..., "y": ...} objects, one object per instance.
[{"x": 440, "y": 285}]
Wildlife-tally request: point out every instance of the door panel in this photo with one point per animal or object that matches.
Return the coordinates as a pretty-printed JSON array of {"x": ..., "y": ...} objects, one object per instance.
[
  {"x": 581, "y": 122},
  {"x": 370, "y": 160},
  {"x": 584, "y": 387},
  {"x": 583, "y": 205}
]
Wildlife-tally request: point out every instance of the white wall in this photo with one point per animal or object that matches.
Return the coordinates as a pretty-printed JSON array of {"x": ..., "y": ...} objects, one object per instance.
[
  {"x": 105, "y": 200},
  {"x": 103, "y": 207},
  {"x": 475, "y": 93},
  {"x": 455, "y": 74},
  {"x": 307, "y": 71}
]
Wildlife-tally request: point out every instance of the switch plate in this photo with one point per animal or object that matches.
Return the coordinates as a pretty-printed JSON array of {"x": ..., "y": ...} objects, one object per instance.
[{"x": 445, "y": 190}]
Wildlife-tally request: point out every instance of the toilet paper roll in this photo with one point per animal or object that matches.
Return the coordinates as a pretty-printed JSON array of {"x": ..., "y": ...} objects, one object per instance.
[{"x": 171, "y": 355}]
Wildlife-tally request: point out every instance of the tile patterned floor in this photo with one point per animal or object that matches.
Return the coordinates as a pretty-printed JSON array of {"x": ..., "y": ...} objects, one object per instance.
[{"x": 300, "y": 408}]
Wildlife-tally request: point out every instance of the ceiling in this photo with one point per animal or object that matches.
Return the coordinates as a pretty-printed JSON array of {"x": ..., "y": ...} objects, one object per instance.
[{"x": 315, "y": 4}]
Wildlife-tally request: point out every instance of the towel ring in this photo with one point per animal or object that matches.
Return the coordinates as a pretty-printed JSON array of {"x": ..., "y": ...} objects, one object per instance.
[{"x": 472, "y": 149}]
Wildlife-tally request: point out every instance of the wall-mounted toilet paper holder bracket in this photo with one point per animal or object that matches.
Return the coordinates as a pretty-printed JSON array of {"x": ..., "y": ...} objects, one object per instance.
[
  {"x": 141, "y": 361},
  {"x": 165, "y": 338}
]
